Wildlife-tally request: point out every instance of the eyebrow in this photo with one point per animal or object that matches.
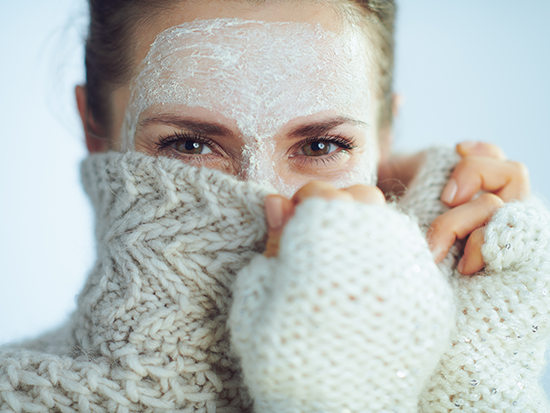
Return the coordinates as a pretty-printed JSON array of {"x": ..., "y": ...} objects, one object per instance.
[
  {"x": 198, "y": 127},
  {"x": 320, "y": 128},
  {"x": 216, "y": 129}
]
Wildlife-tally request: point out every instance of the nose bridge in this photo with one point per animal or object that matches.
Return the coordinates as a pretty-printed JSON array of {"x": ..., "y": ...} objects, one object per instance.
[{"x": 257, "y": 162}]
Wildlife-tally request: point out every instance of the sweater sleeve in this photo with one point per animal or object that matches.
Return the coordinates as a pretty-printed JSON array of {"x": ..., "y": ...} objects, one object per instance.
[
  {"x": 497, "y": 353},
  {"x": 353, "y": 313}
]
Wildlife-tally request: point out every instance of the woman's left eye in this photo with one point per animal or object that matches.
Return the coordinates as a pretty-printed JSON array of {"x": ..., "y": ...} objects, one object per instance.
[
  {"x": 191, "y": 147},
  {"x": 326, "y": 145},
  {"x": 318, "y": 148}
]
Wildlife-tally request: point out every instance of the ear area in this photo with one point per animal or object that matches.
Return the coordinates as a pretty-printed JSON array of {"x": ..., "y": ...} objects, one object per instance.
[
  {"x": 92, "y": 131},
  {"x": 397, "y": 101},
  {"x": 385, "y": 133}
]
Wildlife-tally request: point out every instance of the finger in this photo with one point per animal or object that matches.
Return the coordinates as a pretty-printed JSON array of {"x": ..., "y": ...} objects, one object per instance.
[
  {"x": 459, "y": 222},
  {"x": 480, "y": 149},
  {"x": 320, "y": 189},
  {"x": 366, "y": 194},
  {"x": 472, "y": 260},
  {"x": 506, "y": 179},
  {"x": 278, "y": 210}
]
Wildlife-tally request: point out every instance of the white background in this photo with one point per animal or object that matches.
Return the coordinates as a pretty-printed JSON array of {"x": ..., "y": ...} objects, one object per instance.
[{"x": 468, "y": 70}]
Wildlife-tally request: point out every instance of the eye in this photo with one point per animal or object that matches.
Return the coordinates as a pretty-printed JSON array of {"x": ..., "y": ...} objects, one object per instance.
[
  {"x": 185, "y": 144},
  {"x": 318, "y": 148},
  {"x": 191, "y": 147},
  {"x": 323, "y": 151}
]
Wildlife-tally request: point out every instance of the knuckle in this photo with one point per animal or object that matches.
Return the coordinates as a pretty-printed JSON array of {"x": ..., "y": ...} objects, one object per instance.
[
  {"x": 313, "y": 185},
  {"x": 360, "y": 188},
  {"x": 461, "y": 165},
  {"x": 521, "y": 171},
  {"x": 438, "y": 224},
  {"x": 490, "y": 201},
  {"x": 485, "y": 147},
  {"x": 363, "y": 193},
  {"x": 373, "y": 190},
  {"x": 493, "y": 150},
  {"x": 467, "y": 164},
  {"x": 342, "y": 195},
  {"x": 377, "y": 195},
  {"x": 314, "y": 188}
]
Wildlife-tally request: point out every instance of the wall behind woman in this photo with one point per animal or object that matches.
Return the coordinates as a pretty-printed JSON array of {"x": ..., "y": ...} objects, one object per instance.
[{"x": 467, "y": 70}]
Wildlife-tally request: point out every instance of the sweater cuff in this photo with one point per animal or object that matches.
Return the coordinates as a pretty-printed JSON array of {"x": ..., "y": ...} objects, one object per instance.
[
  {"x": 518, "y": 236},
  {"x": 352, "y": 315}
]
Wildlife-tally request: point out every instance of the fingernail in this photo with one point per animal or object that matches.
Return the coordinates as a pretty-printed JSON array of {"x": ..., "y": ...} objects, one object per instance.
[
  {"x": 460, "y": 266},
  {"x": 449, "y": 192},
  {"x": 274, "y": 212}
]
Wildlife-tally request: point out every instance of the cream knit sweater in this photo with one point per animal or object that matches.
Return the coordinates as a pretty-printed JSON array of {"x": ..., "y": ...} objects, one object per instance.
[{"x": 353, "y": 316}]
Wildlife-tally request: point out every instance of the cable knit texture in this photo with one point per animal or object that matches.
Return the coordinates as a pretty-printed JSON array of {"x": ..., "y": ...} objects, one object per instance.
[
  {"x": 352, "y": 316},
  {"x": 149, "y": 334}
]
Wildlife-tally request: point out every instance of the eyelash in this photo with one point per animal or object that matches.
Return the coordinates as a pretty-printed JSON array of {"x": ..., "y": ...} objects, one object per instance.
[
  {"x": 345, "y": 144},
  {"x": 165, "y": 141}
]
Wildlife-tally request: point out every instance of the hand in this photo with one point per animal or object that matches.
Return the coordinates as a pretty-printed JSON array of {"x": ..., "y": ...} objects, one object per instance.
[
  {"x": 483, "y": 168},
  {"x": 280, "y": 209}
]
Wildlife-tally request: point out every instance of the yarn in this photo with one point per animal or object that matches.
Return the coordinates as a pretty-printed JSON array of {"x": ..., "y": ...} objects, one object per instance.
[
  {"x": 179, "y": 248},
  {"x": 149, "y": 331},
  {"x": 497, "y": 354},
  {"x": 352, "y": 316}
]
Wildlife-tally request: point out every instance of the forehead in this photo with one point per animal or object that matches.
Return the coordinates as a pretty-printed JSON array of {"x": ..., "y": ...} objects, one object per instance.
[{"x": 250, "y": 70}]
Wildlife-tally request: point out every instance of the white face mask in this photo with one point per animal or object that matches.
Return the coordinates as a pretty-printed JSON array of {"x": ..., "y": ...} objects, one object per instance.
[{"x": 261, "y": 75}]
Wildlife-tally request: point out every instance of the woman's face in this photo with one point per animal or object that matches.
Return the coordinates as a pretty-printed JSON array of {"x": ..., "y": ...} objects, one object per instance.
[{"x": 279, "y": 94}]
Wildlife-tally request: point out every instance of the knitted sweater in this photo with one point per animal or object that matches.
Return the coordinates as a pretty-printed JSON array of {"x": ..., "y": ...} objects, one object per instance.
[{"x": 353, "y": 316}]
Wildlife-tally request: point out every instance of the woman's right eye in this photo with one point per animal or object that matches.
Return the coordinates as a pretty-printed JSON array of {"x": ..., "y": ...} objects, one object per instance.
[{"x": 191, "y": 147}]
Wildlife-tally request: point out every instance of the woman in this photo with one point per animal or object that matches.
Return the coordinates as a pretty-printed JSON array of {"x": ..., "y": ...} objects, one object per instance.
[{"x": 236, "y": 92}]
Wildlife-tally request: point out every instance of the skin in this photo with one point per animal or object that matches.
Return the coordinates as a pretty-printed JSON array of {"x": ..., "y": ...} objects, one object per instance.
[
  {"x": 291, "y": 162},
  {"x": 483, "y": 166}
]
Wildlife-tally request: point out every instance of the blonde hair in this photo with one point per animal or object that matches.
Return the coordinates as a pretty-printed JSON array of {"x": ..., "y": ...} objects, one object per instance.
[{"x": 378, "y": 20}]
